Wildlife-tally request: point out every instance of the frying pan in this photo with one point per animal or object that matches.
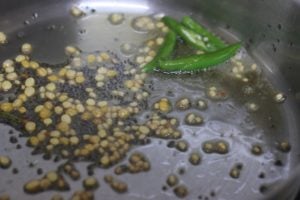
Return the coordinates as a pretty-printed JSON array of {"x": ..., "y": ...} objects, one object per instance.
[{"x": 270, "y": 33}]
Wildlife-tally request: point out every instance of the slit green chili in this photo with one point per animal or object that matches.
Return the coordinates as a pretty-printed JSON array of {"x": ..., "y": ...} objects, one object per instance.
[
  {"x": 164, "y": 51},
  {"x": 198, "y": 62},
  {"x": 189, "y": 36},
  {"x": 198, "y": 28}
]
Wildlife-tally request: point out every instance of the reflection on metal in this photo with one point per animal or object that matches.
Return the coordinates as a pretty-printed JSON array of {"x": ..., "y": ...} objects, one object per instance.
[{"x": 120, "y": 6}]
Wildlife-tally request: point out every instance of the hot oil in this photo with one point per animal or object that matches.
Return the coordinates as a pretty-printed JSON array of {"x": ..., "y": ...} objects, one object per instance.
[
  {"x": 242, "y": 113},
  {"x": 232, "y": 120}
]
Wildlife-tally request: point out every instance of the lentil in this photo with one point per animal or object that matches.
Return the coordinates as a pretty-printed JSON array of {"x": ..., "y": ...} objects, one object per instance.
[
  {"x": 3, "y": 38},
  {"x": 256, "y": 150},
  {"x": 181, "y": 191},
  {"x": 172, "y": 180},
  {"x": 182, "y": 145},
  {"x": 90, "y": 183},
  {"x": 5, "y": 162},
  {"x": 183, "y": 104},
  {"x": 195, "y": 158}
]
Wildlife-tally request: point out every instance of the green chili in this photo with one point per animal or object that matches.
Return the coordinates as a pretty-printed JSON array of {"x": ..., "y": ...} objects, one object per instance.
[
  {"x": 197, "y": 62},
  {"x": 164, "y": 51},
  {"x": 198, "y": 28},
  {"x": 189, "y": 36}
]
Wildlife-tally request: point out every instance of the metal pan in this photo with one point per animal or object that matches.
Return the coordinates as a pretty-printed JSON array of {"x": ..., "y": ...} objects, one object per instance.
[{"x": 269, "y": 33}]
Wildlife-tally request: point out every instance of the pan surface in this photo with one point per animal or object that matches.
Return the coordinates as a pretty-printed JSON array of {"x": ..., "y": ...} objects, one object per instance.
[{"x": 244, "y": 116}]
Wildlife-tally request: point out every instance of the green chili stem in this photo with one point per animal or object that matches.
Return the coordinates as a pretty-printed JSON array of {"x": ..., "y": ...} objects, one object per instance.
[
  {"x": 193, "y": 63},
  {"x": 164, "y": 51},
  {"x": 198, "y": 28}
]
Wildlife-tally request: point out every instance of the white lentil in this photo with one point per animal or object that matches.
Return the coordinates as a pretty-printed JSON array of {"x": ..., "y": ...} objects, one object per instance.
[
  {"x": 280, "y": 97},
  {"x": 104, "y": 56},
  {"x": 252, "y": 107},
  {"x": 67, "y": 104},
  {"x": 5, "y": 162},
  {"x": 116, "y": 18},
  {"x": 144, "y": 129},
  {"x": 6, "y": 85},
  {"x": 80, "y": 108},
  {"x": 12, "y": 76},
  {"x": 160, "y": 24},
  {"x": 71, "y": 74},
  {"x": 58, "y": 110},
  {"x": 29, "y": 91},
  {"x": 26, "y": 48},
  {"x": 74, "y": 140},
  {"x": 71, "y": 51},
  {"x": 100, "y": 84},
  {"x": 29, "y": 82},
  {"x": 9, "y": 69},
  {"x": 47, "y": 121},
  {"x": 148, "y": 58},
  {"x": 30, "y": 126},
  {"x": 51, "y": 87},
  {"x": 3, "y": 38},
  {"x": 253, "y": 67},
  {"x": 99, "y": 77},
  {"x": 8, "y": 63},
  {"x": 159, "y": 40},
  {"x": 66, "y": 118},
  {"x": 76, "y": 12},
  {"x": 20, "y": 58},
  {"x": 90, "y": 102},
  {"x": 140, "y": 59}
]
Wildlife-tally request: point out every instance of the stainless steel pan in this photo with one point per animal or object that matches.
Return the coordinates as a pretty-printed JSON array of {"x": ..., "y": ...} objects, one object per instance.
[{"x": 269, "y": 31}]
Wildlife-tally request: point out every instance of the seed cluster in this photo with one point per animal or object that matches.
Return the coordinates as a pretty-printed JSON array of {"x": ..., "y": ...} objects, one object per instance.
[
  {"x": 51, "y": 181},
  {"x": 115, "y": 184},
  {"x": 137, "y": 163},
  {"x": 193, "y": 119},
  {"x": 238, "y": 70},
  {"x": 148, "y": 51},
  {"x": 84, "y": 109},
  {"x": 58, "y": 111},
  {"x": 215, "y": 146},
  {"x": 217, "y": 93},
  {"x": 146, "y": 24},
  {"x": 70, "y": 170},
  {"x": 82, "y": 194},
  {"x": 183, "y": 104}
]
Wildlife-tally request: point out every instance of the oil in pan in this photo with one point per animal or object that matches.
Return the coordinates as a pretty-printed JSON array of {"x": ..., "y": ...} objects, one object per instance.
[{"x": 97, "y": 127}]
